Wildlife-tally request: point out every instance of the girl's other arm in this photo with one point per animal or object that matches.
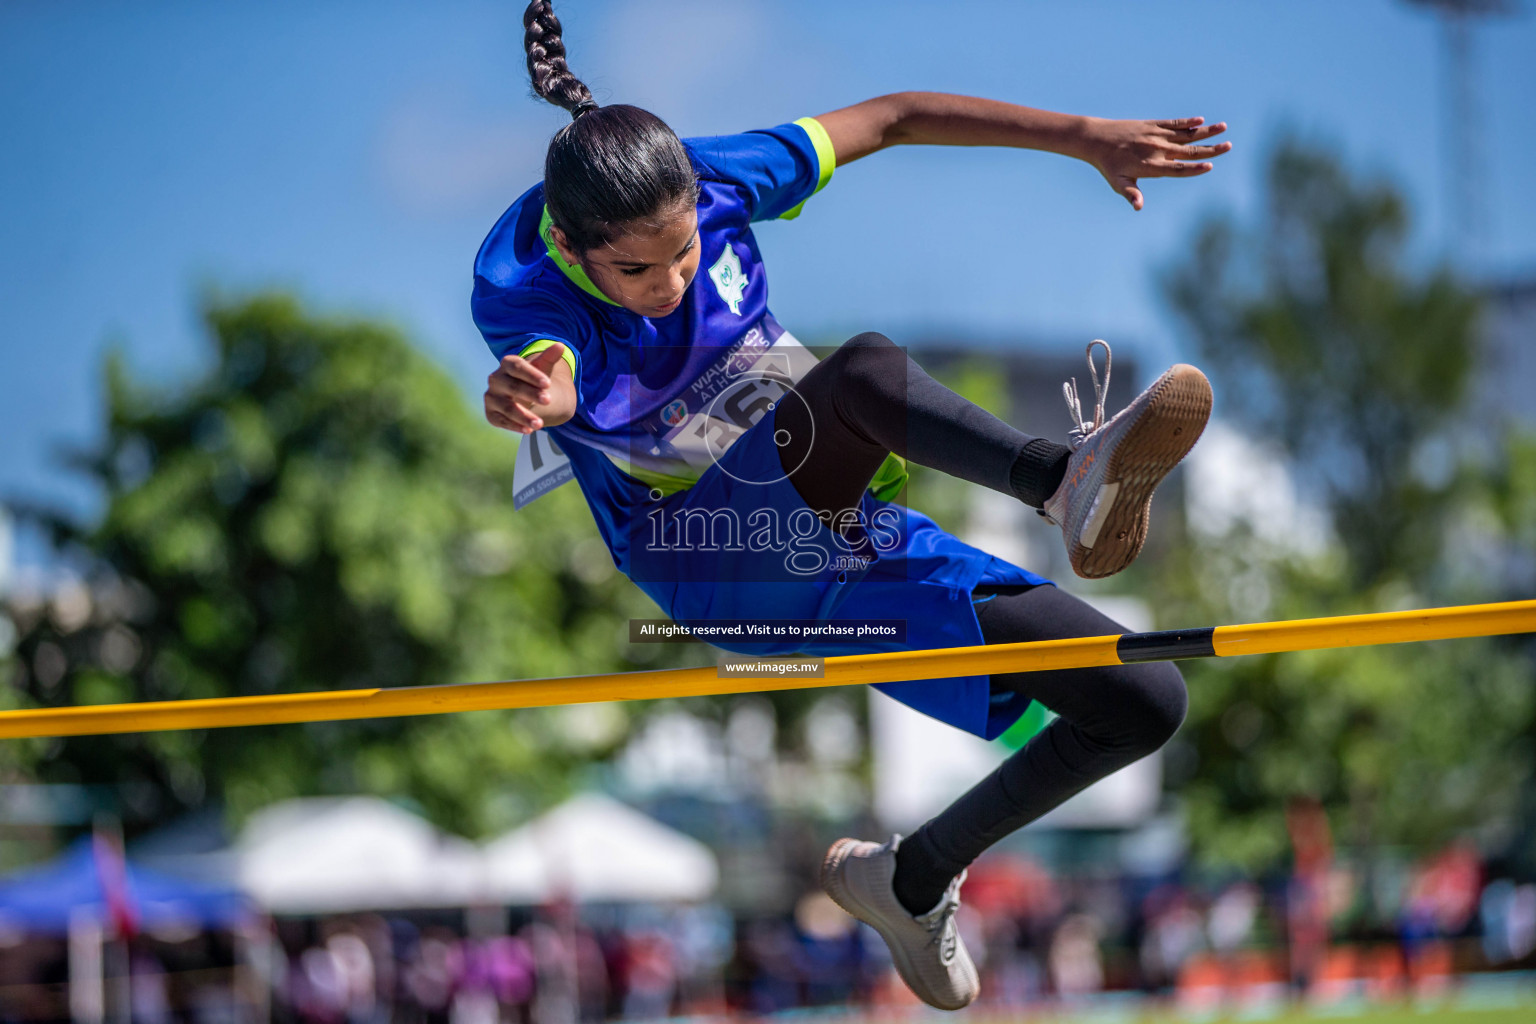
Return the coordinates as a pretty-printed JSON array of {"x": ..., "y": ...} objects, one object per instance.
[
  {"x": 523, "y": 395},
  {"x": 1122, "y": 151}
]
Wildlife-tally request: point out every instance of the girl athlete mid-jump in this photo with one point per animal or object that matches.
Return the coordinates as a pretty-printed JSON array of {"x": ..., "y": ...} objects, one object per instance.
[{"x": 734, "y": 476}]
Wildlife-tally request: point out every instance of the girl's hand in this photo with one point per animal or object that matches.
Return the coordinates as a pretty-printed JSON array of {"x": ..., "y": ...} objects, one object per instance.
[
  {"x": 1126, "y": 151},
  {"x": 523, "y": 395}
]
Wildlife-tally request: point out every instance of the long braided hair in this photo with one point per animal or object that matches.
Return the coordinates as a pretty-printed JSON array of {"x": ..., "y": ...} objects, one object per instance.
[{"x": 610, "y": 167}]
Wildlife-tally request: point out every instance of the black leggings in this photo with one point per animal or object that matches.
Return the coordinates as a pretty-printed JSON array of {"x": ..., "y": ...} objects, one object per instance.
[
  {"x": 868, "y": 399},
  {"x": 1108, "y": 718}
]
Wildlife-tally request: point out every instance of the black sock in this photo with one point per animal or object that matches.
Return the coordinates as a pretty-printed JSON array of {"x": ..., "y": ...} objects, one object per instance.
[
  {"x": 921, "y": 875},
  {"x": 1038, "y": 470}
]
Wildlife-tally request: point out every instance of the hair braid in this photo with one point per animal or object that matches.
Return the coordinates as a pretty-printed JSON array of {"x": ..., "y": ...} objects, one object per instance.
[
  {"x": 552, "y": 77},
  {"x": 616, "y": 166}
]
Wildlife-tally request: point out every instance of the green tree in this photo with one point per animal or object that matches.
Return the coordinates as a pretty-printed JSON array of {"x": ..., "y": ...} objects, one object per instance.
[
  {"x": 322, "y": 510},
  {"x": 1322, "y": 340}
]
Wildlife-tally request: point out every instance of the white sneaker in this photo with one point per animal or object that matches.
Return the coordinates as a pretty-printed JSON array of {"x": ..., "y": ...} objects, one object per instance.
[
  {"x": 1104, "y": 502},
  {"x": 927, "y": 950}
]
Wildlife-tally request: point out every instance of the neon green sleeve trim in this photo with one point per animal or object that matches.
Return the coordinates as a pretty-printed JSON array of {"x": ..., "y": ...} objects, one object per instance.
[
  {"x": 567, "y": 357},
  {"x": 826, "y": 156},
  {"x": 571, "y": 270},
  {"x": 890, "y": 478},
  {"x": 826, "y": 160}
]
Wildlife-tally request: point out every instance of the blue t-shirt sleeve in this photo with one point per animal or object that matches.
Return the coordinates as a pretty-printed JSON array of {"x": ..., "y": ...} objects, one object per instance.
[
  {"x": 779, "y": 168},
  {"x": 525, "y": 324}
]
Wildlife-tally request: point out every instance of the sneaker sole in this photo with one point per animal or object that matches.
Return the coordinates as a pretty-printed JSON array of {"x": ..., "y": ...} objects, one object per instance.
[
  {"x": 1173, "y": 420},
  {"x": 832, "y": 884}
]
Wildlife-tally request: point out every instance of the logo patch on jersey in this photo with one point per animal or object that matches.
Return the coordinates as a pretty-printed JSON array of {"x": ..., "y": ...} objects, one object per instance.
[
  {"x": 674, "y": 412},
  {"x": 730, "y": 282}
]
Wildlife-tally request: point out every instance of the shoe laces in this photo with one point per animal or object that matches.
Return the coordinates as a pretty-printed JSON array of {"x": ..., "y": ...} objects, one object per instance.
[
  {"x": 1083, "y": 428},
  {"x": 939, "y": 920}
]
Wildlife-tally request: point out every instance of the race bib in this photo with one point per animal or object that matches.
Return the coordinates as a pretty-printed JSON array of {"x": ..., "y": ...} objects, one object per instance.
[
  {"x": 683, "y": 438},
  {"x": 699, "y": 426},
  {"x": 541, "y": 467}
]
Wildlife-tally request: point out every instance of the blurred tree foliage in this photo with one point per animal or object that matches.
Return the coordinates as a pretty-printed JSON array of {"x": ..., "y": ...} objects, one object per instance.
[
  {"x": 323, "y": 510},
  {"x": 1321, "y": 341}
]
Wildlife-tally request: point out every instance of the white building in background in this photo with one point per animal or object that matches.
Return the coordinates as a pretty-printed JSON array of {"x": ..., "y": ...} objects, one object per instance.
[{"x": 1233, "y": 480}]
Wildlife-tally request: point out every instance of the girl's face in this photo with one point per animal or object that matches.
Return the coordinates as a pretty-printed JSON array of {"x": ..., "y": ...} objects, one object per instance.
[{"x": 649, "y": 267}]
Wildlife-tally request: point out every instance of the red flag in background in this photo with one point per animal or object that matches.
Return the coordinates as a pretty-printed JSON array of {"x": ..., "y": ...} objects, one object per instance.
[{"x": 112, "y": 872}]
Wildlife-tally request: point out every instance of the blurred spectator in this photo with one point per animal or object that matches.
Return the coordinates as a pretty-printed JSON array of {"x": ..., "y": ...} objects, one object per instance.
[
  {"x": 1174, "y": 933},
  {"x": 1520, "y": 923},
  {"x": 431, "y": 972},
  {"x": 1077, "y": 969},
  {"x": 1508, "y": 913},
  {"x": 475, "y": 996},
  {"x": 1443, "y": 895},
  {"x": 650, "y": 979},
  {"x": 1233, "y": 916},
  {"x": 1015, "y": 977},
  {"x": 767, "y": 962},
  {"x": 147, "y": 987},
  {"x": 831, "y": 952},
  {"x": 509, "y": 971},
  {"x": 1441, "y": 901},
  {"x": 1307, "y": 903},
  {"x": 316, "y": 988},
  {"x": 355, "y": 980},
  {"x": 554, "y": 964},
  {"x": 702, "y": 941}
]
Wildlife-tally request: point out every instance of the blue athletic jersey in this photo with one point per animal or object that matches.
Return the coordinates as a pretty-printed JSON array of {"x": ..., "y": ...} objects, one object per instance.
[
  {"x": 637, "y": 377},
  {"x": 672, "y": 441}
]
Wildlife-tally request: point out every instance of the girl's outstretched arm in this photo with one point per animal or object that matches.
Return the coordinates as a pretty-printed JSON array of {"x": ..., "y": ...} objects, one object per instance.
[{"x": 1122, "y": 151}]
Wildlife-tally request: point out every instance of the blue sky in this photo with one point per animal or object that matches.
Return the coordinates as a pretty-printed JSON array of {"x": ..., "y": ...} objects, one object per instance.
[{"x": 357, "y": 152}]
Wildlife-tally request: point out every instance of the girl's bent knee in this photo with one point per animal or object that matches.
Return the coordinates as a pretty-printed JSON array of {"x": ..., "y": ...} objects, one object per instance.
[
  {"x": 1141, "y": 709},
  {"x": 867, "y": 364},
  {"x": 868, "y": 340},
  {"x": 1157, "y": 703},
  {"x": 868, "y": 353}
]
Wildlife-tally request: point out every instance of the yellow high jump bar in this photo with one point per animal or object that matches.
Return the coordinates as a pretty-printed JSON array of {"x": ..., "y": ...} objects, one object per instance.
[{"x": 1087, "y": 652}]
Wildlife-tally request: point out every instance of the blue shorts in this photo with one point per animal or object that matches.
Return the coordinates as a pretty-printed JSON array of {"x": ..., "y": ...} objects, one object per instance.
[{"x": 741, "y": 544}]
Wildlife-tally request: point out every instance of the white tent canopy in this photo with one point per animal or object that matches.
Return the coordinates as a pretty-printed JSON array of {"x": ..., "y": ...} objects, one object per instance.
[
  {"x": 331, "y": 855},
  {"x": 594, "y": 849},
  {"x": 335, "y": 855}
]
